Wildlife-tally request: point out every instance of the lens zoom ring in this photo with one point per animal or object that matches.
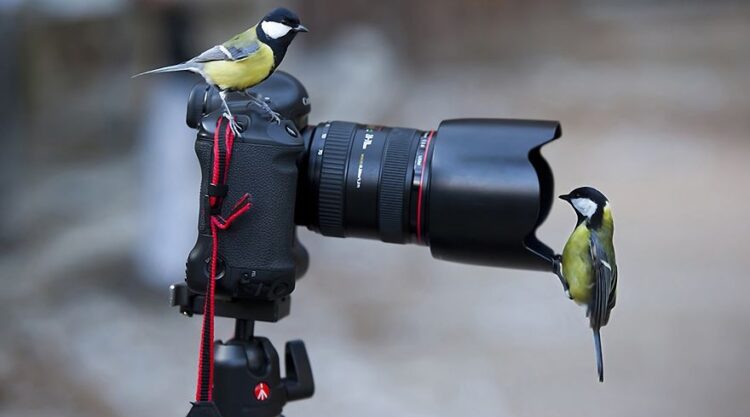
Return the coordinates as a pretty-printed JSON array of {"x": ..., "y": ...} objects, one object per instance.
[
  {"x": 391, "y": 204},
  {"x": 333, "y": 178}
]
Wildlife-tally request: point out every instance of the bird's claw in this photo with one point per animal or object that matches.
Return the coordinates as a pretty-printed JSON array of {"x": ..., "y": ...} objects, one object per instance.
[
  {"x": 235, "y": 128},
  {"x": 557, "y": 263},
  {"x": 275, "y": 117},
  {"x": 261, "y": 103},
  {"x": 233, "y": 125},
  {"x": 557, "y": 270}
]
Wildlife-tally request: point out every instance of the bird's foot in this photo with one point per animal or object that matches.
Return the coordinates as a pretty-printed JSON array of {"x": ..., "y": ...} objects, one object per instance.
[
  {"x": 260, "y": 102},
  {"x": 233, "y": 125},
  {"x": 557, "y": 270},
  {"x": 275, "y": 117}
]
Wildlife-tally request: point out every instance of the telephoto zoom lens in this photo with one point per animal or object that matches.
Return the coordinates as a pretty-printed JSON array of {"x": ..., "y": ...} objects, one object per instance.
[
  {"x": 366, "y": 181},
  {"x": 474, "y": 190}
]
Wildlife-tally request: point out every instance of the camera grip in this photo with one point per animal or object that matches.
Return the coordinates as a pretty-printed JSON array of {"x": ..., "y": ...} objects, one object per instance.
[{"x": 256, "y": 254}]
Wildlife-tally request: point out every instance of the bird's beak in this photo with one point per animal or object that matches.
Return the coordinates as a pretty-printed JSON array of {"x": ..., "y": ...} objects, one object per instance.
[
  {"x": 300, "y": 28},
  {"x": 565, "y": 197}
]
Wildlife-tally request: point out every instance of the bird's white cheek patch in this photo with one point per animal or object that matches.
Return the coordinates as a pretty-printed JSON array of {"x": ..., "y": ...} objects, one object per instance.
[
  {"x": 584, "y": 206},
  {"x": 275, "y": 30}
]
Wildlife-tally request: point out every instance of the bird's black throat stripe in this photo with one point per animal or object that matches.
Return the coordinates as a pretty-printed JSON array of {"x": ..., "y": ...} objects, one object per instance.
[
  {"x": 278, "y": 46},
  {"x": 595, "y": 222}
]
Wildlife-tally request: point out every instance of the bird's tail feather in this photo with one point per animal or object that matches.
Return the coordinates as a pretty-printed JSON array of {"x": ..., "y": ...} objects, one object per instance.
[
  {"x": 599, "y": 359},
  {"x": 172, "y": 68}
]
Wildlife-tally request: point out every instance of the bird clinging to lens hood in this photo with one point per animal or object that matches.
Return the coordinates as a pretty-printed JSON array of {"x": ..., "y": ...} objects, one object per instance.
[
  {"x": 246, "y": 59},
  {"x": 589, "y": 269}
]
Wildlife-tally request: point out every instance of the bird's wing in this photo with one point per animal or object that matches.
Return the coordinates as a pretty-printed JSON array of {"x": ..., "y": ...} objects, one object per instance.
[
  {"x": 227, "y": 53},
  {"x": 613, "y": 293},
  {"x": 605, "y": 282},
  {"x": 239, "y": 47}
]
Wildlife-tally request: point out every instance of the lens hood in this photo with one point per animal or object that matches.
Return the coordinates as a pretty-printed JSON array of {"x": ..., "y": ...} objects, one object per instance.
[{"x": 489, "y": 190}]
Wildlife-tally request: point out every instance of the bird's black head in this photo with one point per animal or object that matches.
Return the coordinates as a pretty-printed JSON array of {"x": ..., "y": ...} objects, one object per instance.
[
  {"x": 280, "y": 25},
  {"x": 588, "y": 203},
  {"x": 277, "y": 29}
]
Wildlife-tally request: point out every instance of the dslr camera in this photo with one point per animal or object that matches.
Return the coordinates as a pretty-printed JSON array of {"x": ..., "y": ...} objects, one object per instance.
[{"x": 473, "y": 190}]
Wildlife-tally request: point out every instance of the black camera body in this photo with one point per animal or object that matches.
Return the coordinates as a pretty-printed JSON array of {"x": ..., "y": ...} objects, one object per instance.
[
  {"x": 259, "y": 256},
  {"x": 474, "y": 190}
]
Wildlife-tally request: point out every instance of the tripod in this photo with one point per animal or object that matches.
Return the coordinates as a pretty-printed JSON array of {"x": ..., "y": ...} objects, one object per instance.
[{"x": 247, "y": 374}]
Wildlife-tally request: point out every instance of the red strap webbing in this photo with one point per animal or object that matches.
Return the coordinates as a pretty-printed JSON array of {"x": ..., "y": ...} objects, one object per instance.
[{"x": 222, "y": 155}]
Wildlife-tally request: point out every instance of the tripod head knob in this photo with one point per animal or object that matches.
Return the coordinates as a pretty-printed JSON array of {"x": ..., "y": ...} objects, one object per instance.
[{"x": 299, "y": 379}]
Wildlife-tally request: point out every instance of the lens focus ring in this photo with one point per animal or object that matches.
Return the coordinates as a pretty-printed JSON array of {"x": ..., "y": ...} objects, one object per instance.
[
  {"x": 391, "y": 204},
  {"x": 333, "y": 178}
]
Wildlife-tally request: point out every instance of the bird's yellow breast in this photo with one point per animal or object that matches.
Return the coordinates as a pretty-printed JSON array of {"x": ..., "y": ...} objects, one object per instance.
[
  {"x": 242, "y": 74},
  {"x": 576, "y": 265}
]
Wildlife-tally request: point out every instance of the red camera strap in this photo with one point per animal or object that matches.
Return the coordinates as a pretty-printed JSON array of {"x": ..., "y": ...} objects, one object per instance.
[{"x": 222, "y": 155}]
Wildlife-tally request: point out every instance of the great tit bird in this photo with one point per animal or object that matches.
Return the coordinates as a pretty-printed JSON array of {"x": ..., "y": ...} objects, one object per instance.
[
  {"x": 245, "y": 60},
  {"x": 587, "y": 267}
]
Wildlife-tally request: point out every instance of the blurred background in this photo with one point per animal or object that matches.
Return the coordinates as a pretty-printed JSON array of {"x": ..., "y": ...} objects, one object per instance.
[{"x": 100, "y": 184}]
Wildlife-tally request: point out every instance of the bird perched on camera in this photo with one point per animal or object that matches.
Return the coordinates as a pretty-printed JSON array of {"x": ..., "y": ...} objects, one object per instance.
[
  {"x": 246, "y": 59},
  {"x": 587, "y": 268}
]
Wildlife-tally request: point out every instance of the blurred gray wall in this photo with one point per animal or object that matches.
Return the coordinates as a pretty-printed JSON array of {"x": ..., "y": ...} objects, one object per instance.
[{"x": 101, "y": 186}]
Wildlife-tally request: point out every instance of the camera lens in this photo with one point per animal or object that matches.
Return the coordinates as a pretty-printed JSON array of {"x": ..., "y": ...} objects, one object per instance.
[
  {"x": 474, "y": 190},
  {"x": 367, "y": 181}
]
